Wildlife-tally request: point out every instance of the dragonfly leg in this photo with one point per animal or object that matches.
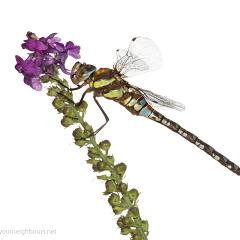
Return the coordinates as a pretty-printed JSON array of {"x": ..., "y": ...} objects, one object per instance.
[
  {"x": 83, "y": 96},
  {"x": 70, "y": 89},
  {"x": 76, "y": 88},
  {"x": 104, "y": 114}
]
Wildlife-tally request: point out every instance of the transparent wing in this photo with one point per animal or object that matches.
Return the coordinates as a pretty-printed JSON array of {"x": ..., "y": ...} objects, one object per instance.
[
  {"x": 142, "y": 56},
  {"x": 157, "y": 100}
]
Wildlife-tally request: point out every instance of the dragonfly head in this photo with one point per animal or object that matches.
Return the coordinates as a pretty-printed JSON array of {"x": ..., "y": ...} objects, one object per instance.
[{"x": 81, "y": 72}]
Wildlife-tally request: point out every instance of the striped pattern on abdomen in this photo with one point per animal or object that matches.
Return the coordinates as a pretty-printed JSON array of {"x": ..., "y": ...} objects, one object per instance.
[
  {"x": 138, "y": 105},
  {"x": 175, "y": 127}
]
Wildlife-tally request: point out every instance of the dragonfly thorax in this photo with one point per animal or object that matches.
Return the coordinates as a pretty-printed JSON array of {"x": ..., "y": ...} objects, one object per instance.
[{"x": 108, "y": 83}]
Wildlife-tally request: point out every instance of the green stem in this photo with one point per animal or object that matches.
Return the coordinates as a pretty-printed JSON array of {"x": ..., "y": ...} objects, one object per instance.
[
  {"x": 137, "y": 221},
  {"x": 79, "y": 118}
]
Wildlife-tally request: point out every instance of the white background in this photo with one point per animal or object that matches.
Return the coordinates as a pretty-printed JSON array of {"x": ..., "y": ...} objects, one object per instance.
[{"x": 44, "y": 180}]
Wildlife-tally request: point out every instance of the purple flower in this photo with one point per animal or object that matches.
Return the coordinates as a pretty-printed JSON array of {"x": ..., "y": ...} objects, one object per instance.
[
  {"x": 34, "y": 45},
  {"x": 51, "y": 39},
  {"x": 54, "y": 42},
  {"x": 47, "y": 53},
  {"x": 33, "y": 82},
  {"x": 31, "y": 70},
  {"x": 69, "y": 50},
  {"x": 30, "y": 66},
  {"x": 72, "y": 50}
]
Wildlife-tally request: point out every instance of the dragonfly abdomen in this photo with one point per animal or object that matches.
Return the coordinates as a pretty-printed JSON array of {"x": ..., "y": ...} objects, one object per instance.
[
  {"x": 175, "y": 127},
  {"x": 138, "y": 105},
  {"x": 133, "y": 102}
]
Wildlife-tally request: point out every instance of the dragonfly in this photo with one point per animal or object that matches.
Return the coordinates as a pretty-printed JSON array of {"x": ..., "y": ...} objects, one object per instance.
[{"x": 140, "y": 57}]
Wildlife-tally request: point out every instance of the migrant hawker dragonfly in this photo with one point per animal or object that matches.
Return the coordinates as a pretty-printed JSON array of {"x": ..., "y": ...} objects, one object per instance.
[{"x": 141, "y": 56}]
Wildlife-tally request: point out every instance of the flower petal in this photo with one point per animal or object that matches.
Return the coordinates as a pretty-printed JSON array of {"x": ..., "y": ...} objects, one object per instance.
[
  {"x": 33, "y": 83},
  {"x": 52, "y": 35},
  {"x": 19, "y": 64},
  {"x": 34, "y": 45},
  {"x": 27, "y": 80},
  {"x": 73, "y": 50},
  {"x": 59, "y": 46},
  {"x": 64, "y": 70},
  {"x": 31, "y": 68},
  {"x": 36, "y": 84}
]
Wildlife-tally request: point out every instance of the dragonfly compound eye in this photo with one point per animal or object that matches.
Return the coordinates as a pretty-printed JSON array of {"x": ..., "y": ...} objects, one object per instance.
[
  {"x": 76, "y": 73},
  {"x": 90, "y": 69},
  {"x": 81, "y": 72}
]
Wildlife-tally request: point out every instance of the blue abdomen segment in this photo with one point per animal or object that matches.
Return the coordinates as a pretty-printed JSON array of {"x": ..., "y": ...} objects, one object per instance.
[{"x": 146, "y": 109}]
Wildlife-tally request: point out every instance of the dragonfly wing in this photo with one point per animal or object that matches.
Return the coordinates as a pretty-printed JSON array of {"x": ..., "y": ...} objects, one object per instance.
[
  {"x": 157, "y": 100},
  {"x": 142, "y": 56}
]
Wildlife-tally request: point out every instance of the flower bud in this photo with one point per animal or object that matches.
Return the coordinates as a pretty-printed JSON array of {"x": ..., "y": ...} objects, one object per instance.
[
  {"x": 67, "y": 94},
  {"x": 77, "y": 133},
  {"x": 110, "y": 186},
  {"x": 120, "y": 221},
  {"x": 95, "y": 168},
  {"x": 122, "y": 187},
  {"x": 92, "y": 155},
  {"x": 93, "y": 152},
  {"x": 114, "y": 200},
  {"x": 82, "y": 107},
  {"x": 133, "y": 194},
  {"x": 101, "y": 166},
  {"x": 120, "y": 168},
  {"x": 110, "y": 160},
  {"x": 136, "y": 236},
  {"x": 133, "y": 212},
  {"x": 117, "y": 209},
  {"x": 92, "y": 161},
  {"x": 87, "y": 134},
  {"x": 45, "y": 79},
  {"x": 58, "y": 103},
  {"x": 67, "y": 121},
  {"x": 125, "y": 230},
  {"x": 87, "y": 127},
  {"x": 124, "y": 203},
  {"x": 53, "y": 91},
  {"x": 127, "y": 221},
  {"x": 31, "y": 35},
  {"x": 145, "y": 226},
  {"x": 69, "y": 111},
  {"x": 80, "y": 142},
  {"x": 105, "y": 145}
]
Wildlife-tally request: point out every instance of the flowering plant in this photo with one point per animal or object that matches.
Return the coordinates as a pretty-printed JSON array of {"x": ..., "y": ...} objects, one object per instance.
[{"x": 46, "y": 59}]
